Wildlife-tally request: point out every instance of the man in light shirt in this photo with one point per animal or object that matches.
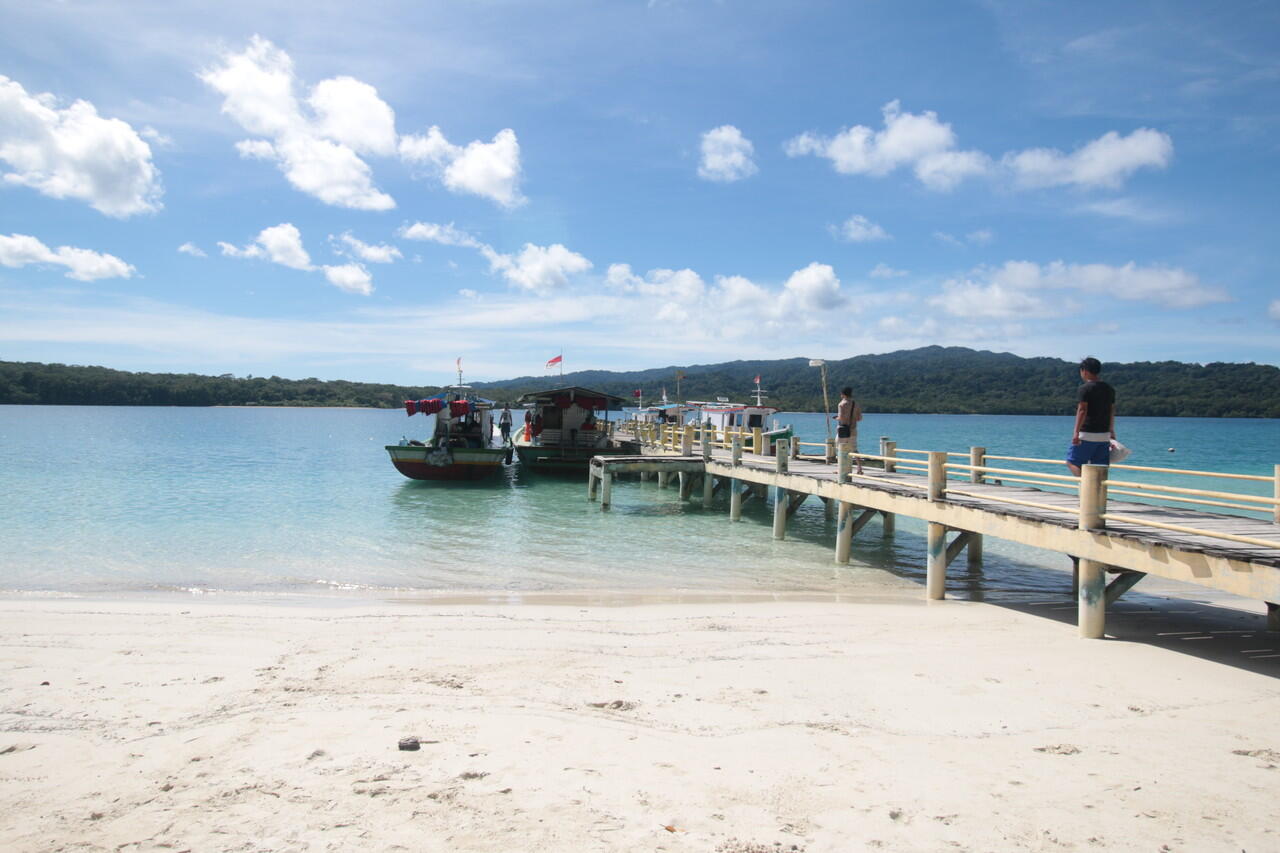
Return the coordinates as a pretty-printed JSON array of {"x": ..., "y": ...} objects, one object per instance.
[{"x": 1095, "y": 426}]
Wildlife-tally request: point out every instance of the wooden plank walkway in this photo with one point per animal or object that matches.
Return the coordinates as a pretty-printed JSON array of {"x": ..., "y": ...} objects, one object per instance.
[{"x": 1028, "y": 515}]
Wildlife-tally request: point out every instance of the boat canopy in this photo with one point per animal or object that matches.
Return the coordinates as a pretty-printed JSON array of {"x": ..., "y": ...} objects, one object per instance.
[{"x": 563, "y": 398}]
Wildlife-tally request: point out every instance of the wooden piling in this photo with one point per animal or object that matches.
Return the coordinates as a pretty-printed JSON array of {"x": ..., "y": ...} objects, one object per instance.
[
  {"x": 757, "y": 441},
  {"x": 606, "y": 489},
  {"x": 977, "y": 458},
  {"x": 735, "y": 451},
  {"x": 1092, "y": 601},
  {"x": 735, "y": 500},
  {"x": 936, "y": 565},
  {"x": 937, "y": 475}
]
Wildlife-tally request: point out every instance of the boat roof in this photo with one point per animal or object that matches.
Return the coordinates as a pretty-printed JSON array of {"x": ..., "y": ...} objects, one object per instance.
[
  {"x": 730, "y": 407},
  {"x": 573, "y": 392}
]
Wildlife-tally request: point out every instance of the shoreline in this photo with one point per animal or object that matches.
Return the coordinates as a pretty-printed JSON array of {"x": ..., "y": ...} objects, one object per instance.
[{"x": 815, "y": 726}]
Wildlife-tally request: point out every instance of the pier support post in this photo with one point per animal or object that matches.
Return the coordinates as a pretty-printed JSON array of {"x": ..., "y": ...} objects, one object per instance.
[
  {"x": 662, "y": 479},
  {"x": 1276, "y": 491},
  {"x": 844, "y": 534},
  {"x": 781, "y": 503},
  {"x": 831, "y": 450},
  {"x": 936, "y": 565},
  {"x": 889, "y": 450},
  {"x": 591, "y": 484},
  {"x": 686, "y": 441},
  {"x": 708, "y": 490},
  {"x": 974, "y": 550},
  {"x": 977, "y": 458},
  {"x": 890, "y": 522},
  {"x": 937, "y": 475},
  {"x": 1092, "y": 601},
  {"x": 845, "y": 465},
  {"x": 735, "y": 451},
  {"x": 606, "y": 489},
  {"x": 1093, "y": 496},
  {"x": 829, "y": 508},
  {"x": 782, "y": 461},
  {"x": 735, "y": 500}
]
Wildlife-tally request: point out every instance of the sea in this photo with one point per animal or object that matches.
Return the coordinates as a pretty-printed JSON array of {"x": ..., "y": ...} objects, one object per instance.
[{"x": 298, "y": 503}]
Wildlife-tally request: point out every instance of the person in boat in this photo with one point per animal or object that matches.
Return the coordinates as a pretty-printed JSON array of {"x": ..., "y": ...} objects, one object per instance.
[
  {"x": 504, "y": 422},
  {"x": 847, "y": 416},
  {"x": 589, "y": 423}
]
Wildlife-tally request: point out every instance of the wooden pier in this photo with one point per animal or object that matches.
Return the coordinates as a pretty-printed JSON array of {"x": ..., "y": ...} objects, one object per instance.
[{"x": 963, "y": 501}]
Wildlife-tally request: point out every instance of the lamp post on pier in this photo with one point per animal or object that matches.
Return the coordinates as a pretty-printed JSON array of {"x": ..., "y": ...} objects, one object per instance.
[{"x": 826, "y": 401}]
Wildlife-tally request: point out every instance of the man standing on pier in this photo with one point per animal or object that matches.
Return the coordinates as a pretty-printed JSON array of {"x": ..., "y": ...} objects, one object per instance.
[
  {"x": 847, "y": 416},
  {"x": 1095, "y": 426}
]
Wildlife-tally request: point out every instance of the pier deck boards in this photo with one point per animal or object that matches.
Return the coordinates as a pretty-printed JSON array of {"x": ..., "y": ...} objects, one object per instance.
[{"x": 1249, "y": 570}]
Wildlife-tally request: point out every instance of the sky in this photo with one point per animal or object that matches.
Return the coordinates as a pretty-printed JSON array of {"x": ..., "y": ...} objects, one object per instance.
[{"x": 371, "y": 191}]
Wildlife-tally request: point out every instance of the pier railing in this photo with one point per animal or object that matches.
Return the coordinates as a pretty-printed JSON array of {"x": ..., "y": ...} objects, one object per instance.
[{"x": 939, "y": 473}]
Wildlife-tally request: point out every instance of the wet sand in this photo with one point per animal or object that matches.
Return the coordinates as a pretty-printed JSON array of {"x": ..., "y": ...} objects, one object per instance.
[{"x": 712, "y": 726}]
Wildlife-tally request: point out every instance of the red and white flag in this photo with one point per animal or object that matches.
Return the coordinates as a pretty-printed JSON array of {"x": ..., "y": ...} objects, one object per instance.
[
  {"x": 552, "y": 362},
  {"x": 757, "y": 378},
  {"x": 459, "y": 362},
  {"x": 636, "y": 394}
]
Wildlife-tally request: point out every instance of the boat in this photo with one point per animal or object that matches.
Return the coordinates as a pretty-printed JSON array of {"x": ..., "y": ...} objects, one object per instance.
[
  {"x": 561, "y": 430},
  {"x": 462, "y": 444},
  {"x": 666, "y": 413},
  {"x": 723, "y": 415}
]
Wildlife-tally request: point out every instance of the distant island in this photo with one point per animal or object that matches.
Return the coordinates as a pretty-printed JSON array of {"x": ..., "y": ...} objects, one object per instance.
[{"x": 940, "y": 380}]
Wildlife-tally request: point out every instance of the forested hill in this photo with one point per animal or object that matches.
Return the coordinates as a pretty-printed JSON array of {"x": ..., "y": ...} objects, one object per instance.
[
  {"x": 927, "y": 380},
  {"x": 952, "y": 380}
]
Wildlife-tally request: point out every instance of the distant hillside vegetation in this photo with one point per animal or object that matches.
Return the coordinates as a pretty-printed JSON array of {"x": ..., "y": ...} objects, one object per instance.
[{"x": 947, "y": 380}]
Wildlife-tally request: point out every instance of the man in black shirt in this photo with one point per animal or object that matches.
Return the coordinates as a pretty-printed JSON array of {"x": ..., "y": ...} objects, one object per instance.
[{"x": 1095, "y": 420}]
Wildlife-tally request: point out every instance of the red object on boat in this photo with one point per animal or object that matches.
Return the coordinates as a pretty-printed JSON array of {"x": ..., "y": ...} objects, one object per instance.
[
  {"x": 458, "y": 408},
  {"x": 410, "y": 407}
]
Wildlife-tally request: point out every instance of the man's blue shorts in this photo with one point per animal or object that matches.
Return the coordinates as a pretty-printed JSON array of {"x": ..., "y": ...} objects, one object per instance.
[{"x": 1089, "y": 453}]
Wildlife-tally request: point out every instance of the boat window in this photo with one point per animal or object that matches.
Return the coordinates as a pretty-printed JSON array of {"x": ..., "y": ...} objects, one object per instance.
[
  {"x": 552, "y": 417},
  {"x": 754, "y": 421}
]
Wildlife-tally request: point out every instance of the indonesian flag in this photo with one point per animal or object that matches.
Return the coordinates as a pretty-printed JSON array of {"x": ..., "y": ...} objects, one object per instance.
[
  {"x": 636, "y": 393},
  {"x": 459, "y": 362},
  {"x": 552, "y": 362},
  {"x": 757, "y": 378}
]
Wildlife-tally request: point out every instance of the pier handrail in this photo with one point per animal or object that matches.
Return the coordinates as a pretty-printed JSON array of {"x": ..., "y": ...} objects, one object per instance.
[{"x": 1193, "y": 531}]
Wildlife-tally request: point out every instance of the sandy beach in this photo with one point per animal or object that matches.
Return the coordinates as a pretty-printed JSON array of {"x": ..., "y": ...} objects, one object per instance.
[{"x": 710, "y": 726}]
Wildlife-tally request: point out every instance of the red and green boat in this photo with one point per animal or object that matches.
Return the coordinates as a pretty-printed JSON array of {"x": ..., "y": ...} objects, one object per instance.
[
  {"x": 462, "y": 444},
  {"x": 562, "y": 430}
]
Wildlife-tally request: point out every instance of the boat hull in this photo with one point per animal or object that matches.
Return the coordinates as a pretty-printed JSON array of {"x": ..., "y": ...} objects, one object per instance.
[
  {"x": 563, "y": 459},
  {"x": 427, "y": 463}
]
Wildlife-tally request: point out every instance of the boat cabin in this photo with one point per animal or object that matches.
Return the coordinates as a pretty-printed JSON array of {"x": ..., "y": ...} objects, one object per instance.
[
  {"x": 733, "y": 415},
  {"x": 670, "y": 413},
  {"x": 567, "y": 417},
  {"x": 457, "y": 418}
]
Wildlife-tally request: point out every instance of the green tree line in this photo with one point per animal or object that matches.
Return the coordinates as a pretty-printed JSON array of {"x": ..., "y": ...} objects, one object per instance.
[{"x": 950, "y": 380}]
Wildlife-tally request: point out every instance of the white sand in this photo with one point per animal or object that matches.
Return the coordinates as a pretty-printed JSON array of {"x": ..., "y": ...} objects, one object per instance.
[{"x": 707, "y": 727}]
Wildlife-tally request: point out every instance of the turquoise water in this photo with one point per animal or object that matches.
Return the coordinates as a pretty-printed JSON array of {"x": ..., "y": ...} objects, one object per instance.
[{"x": 285, "y": 501}]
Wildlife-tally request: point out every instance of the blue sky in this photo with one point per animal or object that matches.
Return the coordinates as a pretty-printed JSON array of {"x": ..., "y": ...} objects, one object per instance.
[{"x": 369, "y": 191}]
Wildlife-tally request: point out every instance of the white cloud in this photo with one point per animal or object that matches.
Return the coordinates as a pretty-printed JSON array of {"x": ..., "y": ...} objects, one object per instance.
[
  {"x": 351, "y": 113},
  {"x": 1126, "y": 208},
  {"x": 814, "y": 288},
  {"x": 1105, "y": 162},
  {"x": 736, "y": 293},
  {"x": 282, "y": 244},
  {"x": 981, "y": 237},
  {"x": 927, "y": 146},
  {"x": 537, "y": 269},
  {"x": 859, "y": 229},
  {"x": 921, "y": 142},
  {"x": 20, "y": 250},
  {"x": 352, "y": 278},
  {"x": 487, "y": 169},
  {"x": 726, "y": 155},
  {"x": 379, "y": 254},
  {"x": 192, "y": 249},
  {"x": 445, "y": 235},
  {"x": 318, "y": 154},
  {"x": 883, "y": 270},
  {"x": 75, "y": 153},
  {"x": 1017, "y": 288}
]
